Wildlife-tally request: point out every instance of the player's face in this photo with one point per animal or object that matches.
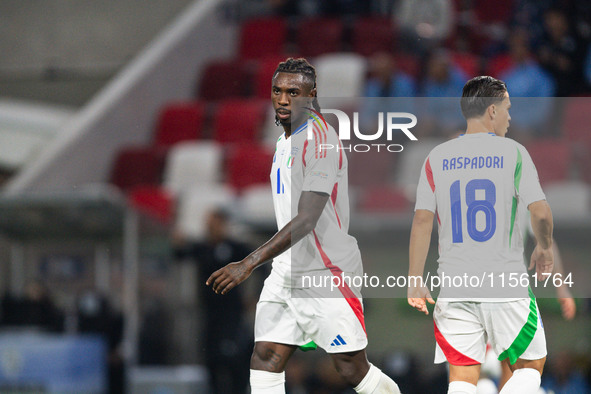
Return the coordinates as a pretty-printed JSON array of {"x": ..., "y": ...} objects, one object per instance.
[
  {"x": 501, "y": 117},
  {"x": 286, "y": 87}
]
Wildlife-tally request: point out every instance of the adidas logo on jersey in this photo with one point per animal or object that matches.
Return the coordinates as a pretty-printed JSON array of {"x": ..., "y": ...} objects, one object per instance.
[{"x": 338, "y": 341}]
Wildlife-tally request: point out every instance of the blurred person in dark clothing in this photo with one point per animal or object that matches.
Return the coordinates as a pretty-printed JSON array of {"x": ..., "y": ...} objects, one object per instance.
[
  {"x": 35, "y": 309},
  {"x": 226, "y": 344},
  {"x": 95, "y": 315},
  {"x": 562, "y": 53}
]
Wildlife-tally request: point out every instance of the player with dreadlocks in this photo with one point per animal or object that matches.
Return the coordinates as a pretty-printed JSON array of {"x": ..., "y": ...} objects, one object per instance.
[{"x": 310, "y": 197}]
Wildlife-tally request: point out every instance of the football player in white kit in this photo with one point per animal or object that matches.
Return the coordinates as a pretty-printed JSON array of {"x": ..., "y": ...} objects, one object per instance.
[
  {"x": 473, "y": 185},
  {"x": 309, "y": 186}
]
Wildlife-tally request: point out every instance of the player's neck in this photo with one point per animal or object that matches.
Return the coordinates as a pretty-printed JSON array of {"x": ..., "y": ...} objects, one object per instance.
[
  {"x": 478, "y": 125},
  {"x": 287, "y": 131}
]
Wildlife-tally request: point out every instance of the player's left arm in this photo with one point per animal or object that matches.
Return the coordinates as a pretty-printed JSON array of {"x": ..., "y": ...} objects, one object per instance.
[{"x": 310, "y": 207}]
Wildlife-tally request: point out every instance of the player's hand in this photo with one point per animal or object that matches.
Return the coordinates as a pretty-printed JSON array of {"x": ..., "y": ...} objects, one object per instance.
[
  {"x": 228, "y": 277},
  {"x": 543, "y": 261},
  {"x": 418, "y": 298},
  {"x": 568, "y": 307}
]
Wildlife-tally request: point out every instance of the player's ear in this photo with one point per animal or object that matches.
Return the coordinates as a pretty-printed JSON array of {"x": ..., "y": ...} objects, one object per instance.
[
  {"x": 313, "y": 93},
  {"x": 492, "y": 111}
]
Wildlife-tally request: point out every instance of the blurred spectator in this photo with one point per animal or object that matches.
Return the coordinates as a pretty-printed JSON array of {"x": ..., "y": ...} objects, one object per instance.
[
  {"x": 564, "y": 377},
  {"x": 443, "y": 86},
  {"x": 423, "y": 23},
  {"x": 587, "y": 68},
  {"x": 527, "y": 79},
  {"x": 385, "y": 80},
  {"x": 95, "y": 315},
  {"x": 35, "y": 309},
  {"x": 561, "y": 53},
  {"x": 226, "y": 344},
  {"x": 443, "y": 78}
]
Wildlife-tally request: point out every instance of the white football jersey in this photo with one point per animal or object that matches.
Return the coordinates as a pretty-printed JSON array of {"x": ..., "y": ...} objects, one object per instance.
[
  {"x": 309, "y": 161},
  {"x": 475, "y": 184}
]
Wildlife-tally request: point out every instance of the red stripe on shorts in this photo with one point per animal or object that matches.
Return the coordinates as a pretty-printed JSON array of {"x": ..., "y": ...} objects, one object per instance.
[
  {"x": 346, "y": 291},
  {"x": 451, "y": 354}
]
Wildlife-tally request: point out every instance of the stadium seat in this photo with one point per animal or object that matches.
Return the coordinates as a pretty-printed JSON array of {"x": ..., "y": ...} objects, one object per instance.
[
  {"x": 570, "y": 201},
  {"x": 263, "y": 75},
  {"x": 370, "y": 168},
  {"x": 340, "y": 74},
  {"x": 260, "y": 37},
  {"x": 576, "y": 119},
  {"x": 551, "y": 158},
  {"x": 153, "y": 201},
  {"x": 248, "y": 164},
  {"x": 383, "y": 199},
  {"x": 372, "y": 35},
  {"x": 498, "y": 65},
  {"x": 316, "y": 36},
  {"x": 467, "y": 62},
  {"x": 195, "y": 203},
  {"x": 181, "y": 121},
  {"x": 191, "y": 163},
  {"x": 137, "y": 166},
  {"x": 256, "y": 205},
  {"x": 488, "y": 12},
  {"x": 225, "y": 79},
  {"x": 411, "y": 161},
  {"x": 239, "y": 120},
  {"x": 408, "y": 64}
]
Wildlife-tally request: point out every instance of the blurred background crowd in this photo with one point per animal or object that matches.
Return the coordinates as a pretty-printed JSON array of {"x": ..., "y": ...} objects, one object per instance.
[{"x": 192, "y": 164}]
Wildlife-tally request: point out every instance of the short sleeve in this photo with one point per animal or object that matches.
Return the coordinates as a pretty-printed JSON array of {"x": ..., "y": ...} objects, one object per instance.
[
  {"x": 426, "y": 189},
  {"x": 529, "y": 189},
  {"x": 321, "y": 165}
]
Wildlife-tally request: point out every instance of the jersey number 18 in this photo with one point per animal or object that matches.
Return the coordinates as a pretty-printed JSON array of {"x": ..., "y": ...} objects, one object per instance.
[{"x": 485, "y": 206}]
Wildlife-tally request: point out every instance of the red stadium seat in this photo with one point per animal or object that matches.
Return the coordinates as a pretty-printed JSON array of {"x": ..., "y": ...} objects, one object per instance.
[
  {"x": 316, "y": 36},
  {"x": 408, "y": 64},
  {"x": 498, "y": 65},
  {"x": 467, "y": 62},
  {"x": 178, "y": 122},
  {"x": 383, "y": 199},
  {"x": 154, "y": 201},
  {"x": 372, "y": 35},
  {"x": 225, "y": 79},
  {"x": 238, "y": 120},
  {"x": 551, "y": 158},
  {"x": 576, "y": 119},
  {"x": 371, "y": 168},
  {"x": 260, "y": 37},
  {"x": 262, "y": 80},
  {"x": 137, "y": 166},
  {"x": 499, "y": 11},
  {"x": 248, "y": 164}
]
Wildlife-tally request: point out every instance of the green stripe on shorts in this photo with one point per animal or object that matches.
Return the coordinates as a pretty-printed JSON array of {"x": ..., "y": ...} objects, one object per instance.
[{"x": 525, "y": 336}]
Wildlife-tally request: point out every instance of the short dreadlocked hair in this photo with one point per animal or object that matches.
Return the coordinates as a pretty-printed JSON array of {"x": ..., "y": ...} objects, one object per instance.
[{"x": 299, "y": 66}]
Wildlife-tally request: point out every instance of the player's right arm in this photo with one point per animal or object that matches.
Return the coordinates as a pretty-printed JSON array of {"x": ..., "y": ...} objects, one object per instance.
[
  {"x": 310, "y": 207},
  {"x": 420, "y": 238}
]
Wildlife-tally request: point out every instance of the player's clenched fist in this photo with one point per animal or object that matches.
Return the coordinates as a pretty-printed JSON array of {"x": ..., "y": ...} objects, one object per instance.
[{"x": 228, "y": 277}]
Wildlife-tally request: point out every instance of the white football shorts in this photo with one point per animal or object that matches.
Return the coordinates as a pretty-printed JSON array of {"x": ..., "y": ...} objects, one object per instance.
[
  {"x": 336, "y": 324},
  {"x": 514, "y": 330}
]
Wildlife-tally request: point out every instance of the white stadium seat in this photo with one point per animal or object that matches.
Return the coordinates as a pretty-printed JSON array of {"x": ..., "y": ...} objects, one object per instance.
[
  {"x": 195, "y": 203},
  {"x": 192, "y": 163},
  {"x": 340, "y": 74}
]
